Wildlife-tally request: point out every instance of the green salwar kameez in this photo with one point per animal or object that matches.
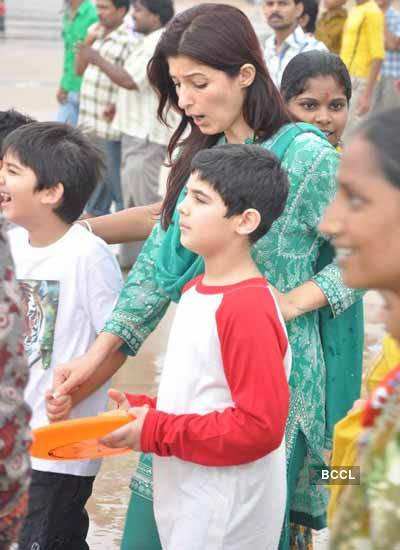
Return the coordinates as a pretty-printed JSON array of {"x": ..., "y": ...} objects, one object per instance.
[{"x": 288, "y": 256}]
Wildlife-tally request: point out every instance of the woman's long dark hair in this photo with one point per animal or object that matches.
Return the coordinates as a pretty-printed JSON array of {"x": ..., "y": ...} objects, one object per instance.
[{"x": 223, "y": 38}]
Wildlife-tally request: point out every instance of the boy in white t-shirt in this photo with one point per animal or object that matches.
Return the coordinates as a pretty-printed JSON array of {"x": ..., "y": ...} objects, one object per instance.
[
  {"x": 70, "y": 281},
  {"x": 217, "y": 426}
]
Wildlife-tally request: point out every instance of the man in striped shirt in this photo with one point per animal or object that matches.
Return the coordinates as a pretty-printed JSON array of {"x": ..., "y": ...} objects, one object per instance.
[{"x": 113, "y": 40}]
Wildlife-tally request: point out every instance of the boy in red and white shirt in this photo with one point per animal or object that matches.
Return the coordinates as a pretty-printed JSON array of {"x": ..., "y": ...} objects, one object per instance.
[{"x": 217, "y": 427}]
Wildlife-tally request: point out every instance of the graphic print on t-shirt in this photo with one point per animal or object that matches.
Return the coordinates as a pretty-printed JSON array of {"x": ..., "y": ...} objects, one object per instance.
[{"x": 40, "y": 302}]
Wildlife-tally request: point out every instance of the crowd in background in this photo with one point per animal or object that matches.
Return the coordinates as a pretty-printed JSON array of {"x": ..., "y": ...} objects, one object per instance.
[{"x": 104, "y": 86}]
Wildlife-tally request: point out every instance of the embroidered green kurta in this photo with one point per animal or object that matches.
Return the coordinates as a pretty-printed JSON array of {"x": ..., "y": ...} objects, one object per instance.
[{"x": 288, "y": 257}]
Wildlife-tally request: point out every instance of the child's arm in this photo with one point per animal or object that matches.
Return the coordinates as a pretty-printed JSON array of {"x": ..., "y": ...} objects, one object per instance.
[{"x": 253, "y": 345}]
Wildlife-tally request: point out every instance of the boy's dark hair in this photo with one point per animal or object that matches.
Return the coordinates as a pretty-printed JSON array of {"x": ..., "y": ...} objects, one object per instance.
[
  {"x": 163, "y": 8},
  {"x": 245, "y": 176},
  {"x": 59, "y": 153},
  {"x": 11, "y": 120},
  {"x": 122, "y": 4},
  {"x": 311, "y": 64},
  {"x": 310, "y": 8}
]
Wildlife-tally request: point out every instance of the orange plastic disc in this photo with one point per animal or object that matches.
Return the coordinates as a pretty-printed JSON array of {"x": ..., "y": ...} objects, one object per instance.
[{"x": 77, "y": 439}]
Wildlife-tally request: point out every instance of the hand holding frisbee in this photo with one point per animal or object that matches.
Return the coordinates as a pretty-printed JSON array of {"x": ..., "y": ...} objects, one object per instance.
[
  {"x": 78, "y": 439},
  {"x": 128, "y": 435}
]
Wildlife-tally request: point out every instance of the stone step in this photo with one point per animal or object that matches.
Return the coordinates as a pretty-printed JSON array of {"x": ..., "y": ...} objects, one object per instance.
[
  {"x": 37, "y": 24},
  {"x": 39, "y": 20},
  {"x": 27, "y": 31}
]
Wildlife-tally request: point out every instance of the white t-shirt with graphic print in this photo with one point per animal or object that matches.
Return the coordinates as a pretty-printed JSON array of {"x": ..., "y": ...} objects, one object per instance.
[{"x": 69, "y": 290}]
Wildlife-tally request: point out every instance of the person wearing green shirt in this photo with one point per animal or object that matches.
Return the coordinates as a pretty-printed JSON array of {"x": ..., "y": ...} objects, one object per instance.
[{"x": 78, "y": 17}]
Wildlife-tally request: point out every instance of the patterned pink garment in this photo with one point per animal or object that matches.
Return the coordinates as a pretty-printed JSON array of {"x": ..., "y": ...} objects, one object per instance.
[{"x": 14, "y": 413}]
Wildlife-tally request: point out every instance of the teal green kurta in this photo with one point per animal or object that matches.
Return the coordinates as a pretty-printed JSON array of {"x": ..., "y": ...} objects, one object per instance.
[{"x": 288, "y": 257}]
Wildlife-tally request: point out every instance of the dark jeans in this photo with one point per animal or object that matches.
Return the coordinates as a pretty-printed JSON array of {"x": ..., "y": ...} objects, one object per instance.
[{"x": 56, "y": 519}]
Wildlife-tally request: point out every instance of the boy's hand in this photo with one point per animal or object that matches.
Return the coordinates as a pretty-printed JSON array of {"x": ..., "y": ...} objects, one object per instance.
[
  {"x": 58, "y": 409},
  {"x": 119, "y": 398},
  {"x": 130, "y": 434}
]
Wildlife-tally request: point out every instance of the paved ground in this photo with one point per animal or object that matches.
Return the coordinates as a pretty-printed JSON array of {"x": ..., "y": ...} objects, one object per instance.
[{"x": 30, "y": 71}]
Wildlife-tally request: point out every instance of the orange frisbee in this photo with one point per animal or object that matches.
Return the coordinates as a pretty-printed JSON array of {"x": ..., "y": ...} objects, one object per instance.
[{"x": 77, "y": 439}]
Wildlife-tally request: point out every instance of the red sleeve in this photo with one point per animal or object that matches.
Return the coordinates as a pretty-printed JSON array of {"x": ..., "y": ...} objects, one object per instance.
[
  {"x": 140, "y": 400},
  {"x": 253, "y": 346}
]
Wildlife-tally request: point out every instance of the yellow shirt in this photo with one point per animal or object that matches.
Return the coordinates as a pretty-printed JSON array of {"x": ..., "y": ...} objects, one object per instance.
[{"x": 363, "y": 38}]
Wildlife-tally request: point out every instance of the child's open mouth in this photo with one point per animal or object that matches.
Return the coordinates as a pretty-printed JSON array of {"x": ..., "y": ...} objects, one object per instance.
[{"x": 4, "y": 198}]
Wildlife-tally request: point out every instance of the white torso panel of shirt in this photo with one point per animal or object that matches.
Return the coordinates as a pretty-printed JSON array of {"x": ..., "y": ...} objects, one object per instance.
[
  {"x": 294, "y": 44},
  {"x": 97, "y": 89},
  {"x": 69, "y": 289},
  {"x": 137, "y": 109}
]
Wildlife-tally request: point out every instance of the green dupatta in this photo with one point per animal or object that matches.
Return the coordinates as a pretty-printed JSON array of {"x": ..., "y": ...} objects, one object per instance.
[{"x": 339, "y": 336}]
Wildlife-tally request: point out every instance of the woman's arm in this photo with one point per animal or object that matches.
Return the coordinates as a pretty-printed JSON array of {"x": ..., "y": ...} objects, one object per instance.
[
  {"x": 131, "y": 224},
  {"x": 300, "y": 300},
  {"x": 317, "y": 187},
  {"x": 86, "y": 373},
  {"x": 140, "y": 307}
]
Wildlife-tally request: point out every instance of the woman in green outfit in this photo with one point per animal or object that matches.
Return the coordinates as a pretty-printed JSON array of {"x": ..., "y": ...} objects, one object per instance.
[
  {"x": 209, "y": 66},
  {"x": 316, "y": 87}
]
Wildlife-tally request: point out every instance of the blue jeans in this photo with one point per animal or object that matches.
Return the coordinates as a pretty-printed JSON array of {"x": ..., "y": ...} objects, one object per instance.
[
  {"x": 68, "y": 112},
  {"x": 109, "y": 189}
]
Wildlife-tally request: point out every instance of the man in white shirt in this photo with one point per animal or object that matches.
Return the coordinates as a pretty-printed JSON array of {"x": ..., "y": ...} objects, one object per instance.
[
  {"x": 144, "y": 138},
  {"x": 288, "y": 38}
]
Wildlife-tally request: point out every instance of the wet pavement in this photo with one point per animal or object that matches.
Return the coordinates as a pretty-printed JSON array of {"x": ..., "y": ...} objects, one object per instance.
[{"x": 29, "y": 74}]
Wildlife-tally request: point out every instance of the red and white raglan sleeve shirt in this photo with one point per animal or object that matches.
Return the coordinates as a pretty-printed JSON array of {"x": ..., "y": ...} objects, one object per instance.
[{"x": 252, "y": 360}]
